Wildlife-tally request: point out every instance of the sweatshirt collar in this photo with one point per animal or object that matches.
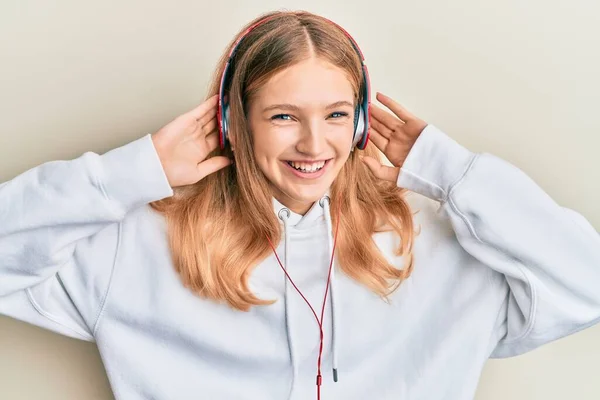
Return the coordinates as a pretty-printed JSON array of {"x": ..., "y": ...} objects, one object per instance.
[{"x": 312, "y": 217}]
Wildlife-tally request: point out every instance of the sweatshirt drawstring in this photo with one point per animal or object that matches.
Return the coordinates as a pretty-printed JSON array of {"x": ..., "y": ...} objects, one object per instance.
[
  {"x": 324, "y": 202},
  {"x": 283, "y": 215}
]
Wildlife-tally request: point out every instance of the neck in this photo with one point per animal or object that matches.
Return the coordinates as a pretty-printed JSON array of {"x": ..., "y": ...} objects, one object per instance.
[
  {"x": 295, "y": 206},
  {"x": 298, "y": 208}
]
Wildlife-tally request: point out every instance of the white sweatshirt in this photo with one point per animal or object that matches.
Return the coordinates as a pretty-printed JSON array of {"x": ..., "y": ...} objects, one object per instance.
[{"x": 500, "y": 269}]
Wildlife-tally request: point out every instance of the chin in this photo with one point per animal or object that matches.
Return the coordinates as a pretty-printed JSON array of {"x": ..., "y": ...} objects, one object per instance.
[{"x": 293, "y": 191}]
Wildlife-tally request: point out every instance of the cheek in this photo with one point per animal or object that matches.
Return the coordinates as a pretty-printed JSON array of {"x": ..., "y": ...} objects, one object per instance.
[
  {"x": 342, "y": 140},
  {"x": 269, "y": 144},
  {"x": 273, "y": 141}
]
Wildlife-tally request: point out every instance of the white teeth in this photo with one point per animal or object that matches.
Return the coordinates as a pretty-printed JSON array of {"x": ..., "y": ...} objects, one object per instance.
[{"x": 307, "y": 167}]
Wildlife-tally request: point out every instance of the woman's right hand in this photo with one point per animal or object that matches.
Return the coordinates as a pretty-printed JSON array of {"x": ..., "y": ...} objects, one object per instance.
[{"x": 183, "y": 144}]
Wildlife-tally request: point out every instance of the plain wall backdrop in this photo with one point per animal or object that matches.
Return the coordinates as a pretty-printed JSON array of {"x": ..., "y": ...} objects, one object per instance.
[{"x": 518, "y": 79}]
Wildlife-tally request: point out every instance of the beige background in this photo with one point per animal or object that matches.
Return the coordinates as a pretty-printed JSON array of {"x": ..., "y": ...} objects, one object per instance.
[{"x": 515, "y": 78}]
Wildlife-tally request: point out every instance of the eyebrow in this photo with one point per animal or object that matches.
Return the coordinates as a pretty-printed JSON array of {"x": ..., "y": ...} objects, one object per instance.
[{"x": 292, "y": 107}]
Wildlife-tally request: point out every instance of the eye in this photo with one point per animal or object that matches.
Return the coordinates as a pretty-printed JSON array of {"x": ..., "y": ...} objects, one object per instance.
[
  {"x": 338, "y": 114},
  {"x": 284, "y": 117}
]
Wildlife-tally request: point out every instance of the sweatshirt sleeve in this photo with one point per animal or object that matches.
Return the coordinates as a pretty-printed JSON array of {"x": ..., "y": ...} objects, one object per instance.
[
  {"x": 59, "y": 232},
  {"x": 549, "y": 255}
]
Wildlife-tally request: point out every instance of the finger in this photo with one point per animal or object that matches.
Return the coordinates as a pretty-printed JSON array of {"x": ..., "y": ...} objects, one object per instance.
[
  {"x": 389, "y": 120},
  {"x": 378, "y": 139},
  {"x": 203, "y": 108},
  {"x": 381, "y": 171},
  {"x": 212, "y": 165},
  {"x": 210, "y": 114},
  {"x": 209, "y": 128},
  {"x": 396, "y": 108},
  {"x": 381, "y": 128},
  {"x": 212, "y": 141}
]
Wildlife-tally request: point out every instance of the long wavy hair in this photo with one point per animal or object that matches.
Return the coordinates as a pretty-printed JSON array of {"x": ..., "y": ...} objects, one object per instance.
[{"x": 218, "y": 227}]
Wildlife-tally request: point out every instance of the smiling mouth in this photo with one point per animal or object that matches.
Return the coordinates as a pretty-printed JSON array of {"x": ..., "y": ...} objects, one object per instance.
[{"x": 308, "y": 168}]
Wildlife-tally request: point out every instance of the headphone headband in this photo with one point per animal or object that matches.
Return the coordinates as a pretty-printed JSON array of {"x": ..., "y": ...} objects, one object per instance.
[{"x": 362, "y": 112}]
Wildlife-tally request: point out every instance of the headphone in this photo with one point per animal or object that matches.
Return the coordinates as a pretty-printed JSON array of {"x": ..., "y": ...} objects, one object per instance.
[{"x": 361, "y": 112}]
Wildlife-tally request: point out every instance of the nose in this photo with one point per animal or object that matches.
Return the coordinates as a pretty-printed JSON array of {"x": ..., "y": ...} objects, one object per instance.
[{"x": 312, "y": 140}]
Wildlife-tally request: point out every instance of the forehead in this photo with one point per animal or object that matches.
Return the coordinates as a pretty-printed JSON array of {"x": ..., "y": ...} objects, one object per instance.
[{"x": 310, "y": 82}]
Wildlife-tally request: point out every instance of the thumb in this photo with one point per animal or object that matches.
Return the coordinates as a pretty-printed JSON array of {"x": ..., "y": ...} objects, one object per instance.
[
  {"x": 381, "y": 171},
  {"x": 211, "y": 165}
]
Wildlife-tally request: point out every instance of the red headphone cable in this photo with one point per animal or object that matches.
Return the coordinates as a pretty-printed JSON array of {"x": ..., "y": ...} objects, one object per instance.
[{"x": 319, "y": 322}]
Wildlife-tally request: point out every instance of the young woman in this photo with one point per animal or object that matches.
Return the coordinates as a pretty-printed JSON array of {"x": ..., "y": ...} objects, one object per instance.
[{"x": 305, "y": 268}]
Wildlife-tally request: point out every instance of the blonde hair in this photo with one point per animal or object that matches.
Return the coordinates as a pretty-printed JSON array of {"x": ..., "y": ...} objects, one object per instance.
[{"x": 218, "y": 227}]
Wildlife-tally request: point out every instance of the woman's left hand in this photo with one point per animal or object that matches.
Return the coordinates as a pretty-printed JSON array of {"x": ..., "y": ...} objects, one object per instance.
[{"x": 393, "y": 135}]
